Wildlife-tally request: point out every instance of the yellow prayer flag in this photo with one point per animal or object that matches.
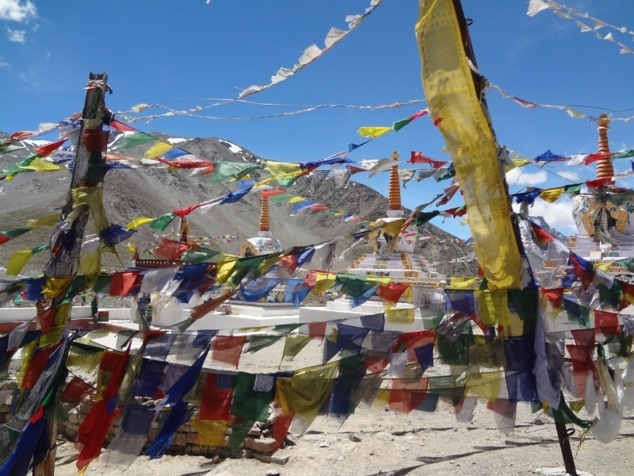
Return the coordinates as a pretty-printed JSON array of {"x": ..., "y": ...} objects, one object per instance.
[
  {"x": 40, "y": 165},
  {"x": 604, "y": 266},
  {"x": 379, "y": 279},
  {"x": 90, "y": 264},
  {"x": 225, "y": 269},
  {"x": 521, "y": 162},
  {"x": 56, "y": 285},
  {"x": 486, "y": 385},
  {"x": 324, "y": 282},
  {"x": 138, "y": 222},
  {"x": 293, "y": 344},
  {"x": 18, "y": 261},
  {"x": 374, "y": 131},
  {"x": 382, "y": 398},
  {"x": 266, "y": 264},
  {"x": 552, "y": 195},
  {"x": 283, "y": 169},
  {"x": 211, "y": 433},
  {"x": 297, "y": 199},
  {"x": 493, "y": 307},
  {"x": 393, "y": 227},
  {"x": 454, "y": 102},
  {"x": 400, "y": 316},
  {"x": 307, "y": 390},
  {"x": 48, "y": 220},
  {"x": 159, "y": 148},
  {"x": 458, "y": 282}
]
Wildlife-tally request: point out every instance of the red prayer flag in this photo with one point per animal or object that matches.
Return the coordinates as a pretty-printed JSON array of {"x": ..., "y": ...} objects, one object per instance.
[
  {"x": 48, "y": 148},
  {"x": 319, "y": 208},
  {"x": 597, "y": 156},
  {"x": 582, "y": 364},
  {"x": 555, "y": 296},
  {"x": 37, "y": 363},
  {"x": 76, "y": 391},
  {"x": 606, "y": 322},
  {"x": 392, "y": 292},
  {"x": 281, "y": 424},
  {"x": 216, "y": 401},
  {"x": 600, "y": 182},
  {"x": 227, "y": 349},
  {"x": 120, "y": 126},
  {"x": 541, "y": 236},
  {"x": 420, "y": 158},
  {"x": 123, "y": 282},
  {"x": 21, "y": 135},
  {"x": 47, "y": 319},
  {"x": 172, "y": 250},
  {"x": 406, "y": 395},
  {"x": 93, "y": 430},
  {"x": 317, "y": 329}
]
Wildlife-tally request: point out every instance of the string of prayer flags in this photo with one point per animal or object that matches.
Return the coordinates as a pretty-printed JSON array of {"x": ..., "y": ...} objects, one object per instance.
[
  {"x": 580, "y": 19},
  {"x": 10, "y": 234},
  {"x": 313, "y": 52}
]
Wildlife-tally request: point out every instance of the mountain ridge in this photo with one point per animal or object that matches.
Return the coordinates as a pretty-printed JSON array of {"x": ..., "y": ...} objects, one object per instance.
[{"x": 131, "y": 193}]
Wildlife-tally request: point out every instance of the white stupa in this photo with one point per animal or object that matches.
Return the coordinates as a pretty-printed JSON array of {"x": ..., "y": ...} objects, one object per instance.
[
  {"x": 605, "y": 216},
  {"x": 264, "y": 243},
  {"x": 391, "y": 259}
]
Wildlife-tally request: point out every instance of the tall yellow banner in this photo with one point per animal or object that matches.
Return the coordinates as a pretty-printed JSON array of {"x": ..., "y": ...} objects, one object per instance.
[{"x": 453, "y": 101}]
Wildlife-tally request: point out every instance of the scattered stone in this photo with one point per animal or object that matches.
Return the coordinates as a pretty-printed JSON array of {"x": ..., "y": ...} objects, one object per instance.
[
  {"x": 272, "y": 472},
  {"x": 323, "y": 444},
  {"x": 353, "y": 437},
  {"x": 262, "y": 445}
]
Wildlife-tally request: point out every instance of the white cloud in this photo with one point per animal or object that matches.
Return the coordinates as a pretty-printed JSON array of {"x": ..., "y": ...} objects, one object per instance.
[
  {"x": 558, "y": 215},
  {"x": 17, "y": 10},
  {"x": 4, "y": 64},
  {"x": 518, "y": 177},
  {"x": 16, "y": 36}
]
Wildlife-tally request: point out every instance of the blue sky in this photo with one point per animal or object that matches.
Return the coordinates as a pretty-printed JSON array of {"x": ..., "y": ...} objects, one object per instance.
[{"x": 179, "y": 53}]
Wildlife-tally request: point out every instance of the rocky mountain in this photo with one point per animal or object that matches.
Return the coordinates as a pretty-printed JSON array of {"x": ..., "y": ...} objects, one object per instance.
[{"x": 129, "y": 194}]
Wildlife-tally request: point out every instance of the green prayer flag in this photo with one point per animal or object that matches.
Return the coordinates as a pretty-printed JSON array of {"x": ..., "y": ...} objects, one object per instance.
[
  {"x": 623, "y": 154},
  {"x": 239, "y": 431},
  {"x": 134, "y": 139},
  {"x": 573, "y": 189},
  {"x": 162, "y": 222},
  {"x": 398, "y": 125},
  {"x": 224, "y": 170},
  {"x": 355, "y": 285},
  {"x": 423, "y": 217},
  {"x": 198, "y": 255},
  {"x": 252, "y": 396},
  {"x": 282, "y": 198}
]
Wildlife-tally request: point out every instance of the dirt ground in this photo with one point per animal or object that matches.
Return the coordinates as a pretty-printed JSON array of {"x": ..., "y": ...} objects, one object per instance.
[{"x": 375, "y": 441}]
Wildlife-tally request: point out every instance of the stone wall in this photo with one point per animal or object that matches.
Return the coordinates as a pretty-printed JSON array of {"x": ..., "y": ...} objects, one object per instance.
[{"x": 258, "y": 444}]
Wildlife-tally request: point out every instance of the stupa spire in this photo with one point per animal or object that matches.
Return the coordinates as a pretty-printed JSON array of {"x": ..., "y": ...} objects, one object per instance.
[
  {"x": 604, "y": 166},
  {"x": 265, "y": 225},
  {"x": 394, "y": 196}
]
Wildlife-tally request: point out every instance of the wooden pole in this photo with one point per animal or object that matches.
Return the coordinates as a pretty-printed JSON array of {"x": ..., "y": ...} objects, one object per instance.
[
  {"x": 66, "y": 239},
  {"x": 566, "y": 451}
]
